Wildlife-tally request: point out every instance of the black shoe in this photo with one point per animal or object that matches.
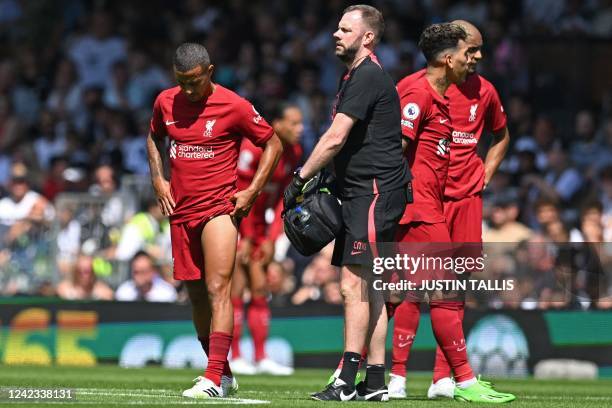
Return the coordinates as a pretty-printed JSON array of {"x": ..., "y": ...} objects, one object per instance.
[
  {"x": 368, "y": 394},
  {"x": 336, "y": 391}
]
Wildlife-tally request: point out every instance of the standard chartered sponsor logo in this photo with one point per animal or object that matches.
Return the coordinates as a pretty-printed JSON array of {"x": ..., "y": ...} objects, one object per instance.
[
  {"x": 197, "y": 152},
  {"x": 464, "y": 137}
]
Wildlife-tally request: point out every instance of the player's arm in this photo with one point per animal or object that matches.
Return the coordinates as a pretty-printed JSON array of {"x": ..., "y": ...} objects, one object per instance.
[
  {"x": 329, "y": 145},
  {"x": 496, "y": 153},
  {"x": 155, "y": 149},
  {"x": 244, "y": 199}
]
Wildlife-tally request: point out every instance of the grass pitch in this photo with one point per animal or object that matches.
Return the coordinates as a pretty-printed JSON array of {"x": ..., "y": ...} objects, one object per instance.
[{"x": 107, "y": 386}]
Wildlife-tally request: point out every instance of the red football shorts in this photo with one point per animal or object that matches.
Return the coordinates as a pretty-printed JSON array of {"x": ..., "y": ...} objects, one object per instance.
[
  {"x": 424, "y": 240},
  {"x": 187, "y": 252},
  {"x": 464, "y": 219},
  {"x": 423, "y": 232}
]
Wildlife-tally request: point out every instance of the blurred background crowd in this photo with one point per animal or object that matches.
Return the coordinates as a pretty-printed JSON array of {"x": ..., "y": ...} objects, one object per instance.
[{"x": 77, "y": 83}]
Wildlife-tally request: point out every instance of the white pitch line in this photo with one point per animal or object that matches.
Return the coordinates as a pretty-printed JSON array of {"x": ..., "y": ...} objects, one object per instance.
[{"x": 156, "y": 394}]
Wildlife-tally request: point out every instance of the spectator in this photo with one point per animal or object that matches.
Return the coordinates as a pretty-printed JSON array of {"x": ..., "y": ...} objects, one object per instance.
[
  {"x": 146, "y": 284},
  {"x": 105, "y": 186},
  {"x": 23, "y": 209},
  {"x": 48, "y": 143},
  {"x": 586, "y": 149},
  {"x": 148, "y": 231},
  {"x": 11, "y": 130},
  {"x": 280, "y": 284},
  {"x": 95, "y": 52},
  {"x": 83, "y": 284},
  {"x": 605, "y": 195},
  {"x": 65, "y": 99},
  {"x": 317, "y": 275},
  {"x": 504, "y": 225}
]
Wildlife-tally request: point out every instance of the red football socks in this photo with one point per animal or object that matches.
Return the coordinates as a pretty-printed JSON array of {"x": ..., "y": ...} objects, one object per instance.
[
  {"x": 448, "y": 330},
  {"x": 219, "y": 345},
  {"x": 238, "y": 319},
  {"x": 407, "y": 316},
  {"x": 258, "y": 318},
  {"x": 441, "y": 367}
]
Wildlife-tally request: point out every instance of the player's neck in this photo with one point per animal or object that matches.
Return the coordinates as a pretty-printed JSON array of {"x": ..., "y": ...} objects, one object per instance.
[
  {"x": 210, "y": 90},
  {"x": 359, "y": 58},
  {"x": 436, "y": 76}
]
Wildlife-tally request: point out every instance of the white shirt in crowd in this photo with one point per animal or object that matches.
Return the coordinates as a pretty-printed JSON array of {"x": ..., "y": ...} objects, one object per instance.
[{"x": 161, "y": 291}]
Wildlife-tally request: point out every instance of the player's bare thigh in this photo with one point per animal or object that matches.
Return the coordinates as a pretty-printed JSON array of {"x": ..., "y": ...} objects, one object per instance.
[{"x": 219, "y": 238}]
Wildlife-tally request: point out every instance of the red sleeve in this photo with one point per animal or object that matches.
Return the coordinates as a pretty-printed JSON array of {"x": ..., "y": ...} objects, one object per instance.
[
  {"x": 251, "y": 124},
  {"x": 496, "y": 117},
  {"x": 415, "y": 105},
  {"x": 158, "y": 127}
]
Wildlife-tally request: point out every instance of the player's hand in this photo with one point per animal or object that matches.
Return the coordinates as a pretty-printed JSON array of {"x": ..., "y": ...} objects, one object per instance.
[
  {"x": 267, "y": 251},
  {"x": 243, "y": 254},
  {"x": 243, "y": 201},
  {"x": 293, "y": 191},
  {"x": 166, "y": 203}
]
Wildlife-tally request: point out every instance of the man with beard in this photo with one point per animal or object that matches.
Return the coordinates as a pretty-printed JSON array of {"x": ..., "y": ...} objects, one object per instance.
[
  {"x": 364, "y": 141},
  {"x": 474, "y": 107}
]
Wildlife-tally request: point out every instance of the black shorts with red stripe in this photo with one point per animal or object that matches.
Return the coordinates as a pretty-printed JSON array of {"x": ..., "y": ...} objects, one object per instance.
[{"x": 368, "y": 221}]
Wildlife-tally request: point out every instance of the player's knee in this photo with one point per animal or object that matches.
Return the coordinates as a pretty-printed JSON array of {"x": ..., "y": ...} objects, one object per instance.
[
  {"x": 350, "y": 288},
  {"x": 218, "y": 288}
]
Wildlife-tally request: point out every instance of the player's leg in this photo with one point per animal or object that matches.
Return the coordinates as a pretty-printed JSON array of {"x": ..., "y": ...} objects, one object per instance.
[
  {"x": 356, "y": 319},
  {"x": 188, "y": 266},
  {"x": 383, "y": 218},
  {"x": 218, "y": 239},
  {"x": 238, "y": 364},
  {"x": 412, "y": 239},
  {"x": 447, "y": 325},
  {"x": 258, "y": 316},
  {"x": 464, "y": 221}
]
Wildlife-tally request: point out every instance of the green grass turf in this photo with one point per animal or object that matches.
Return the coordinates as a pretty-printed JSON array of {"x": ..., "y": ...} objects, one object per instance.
[{"x": 107, "y": 385}]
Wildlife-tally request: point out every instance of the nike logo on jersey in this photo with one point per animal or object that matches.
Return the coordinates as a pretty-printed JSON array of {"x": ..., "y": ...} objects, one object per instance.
[
  {"x": 357, "y": 252},
  {"x": 443, "y": 120},
  {"x": 168, "y": 123},
  {"x": 402, "y": 345}
]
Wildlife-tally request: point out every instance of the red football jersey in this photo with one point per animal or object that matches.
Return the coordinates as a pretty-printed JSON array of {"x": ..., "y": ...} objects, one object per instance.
[
  {"x": 205, "y": 139},
  {"x": 254, "y": 226},
  {"x": 426, "y": 122},
  {"x": 475, "y": 107}
]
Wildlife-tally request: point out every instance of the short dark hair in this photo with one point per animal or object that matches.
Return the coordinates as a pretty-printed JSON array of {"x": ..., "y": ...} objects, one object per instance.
[
  {"x": 439, "y": 37},
  {"x": 189, "y": 55},
  {"x": 142, "y": 253},
  {"x": 277, "y": 111},
  {"x": 372, "y": 17}
]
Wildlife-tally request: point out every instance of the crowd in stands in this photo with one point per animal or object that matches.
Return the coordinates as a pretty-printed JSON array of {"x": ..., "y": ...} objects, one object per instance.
[{"x": 77, "y": 83}]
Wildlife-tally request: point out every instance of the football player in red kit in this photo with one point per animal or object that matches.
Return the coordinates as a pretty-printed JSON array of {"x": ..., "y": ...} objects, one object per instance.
[
  {"x": 257, "y": 237},
  {"x": 457, "y": 176},
  {"x": 205, "y": 123}
]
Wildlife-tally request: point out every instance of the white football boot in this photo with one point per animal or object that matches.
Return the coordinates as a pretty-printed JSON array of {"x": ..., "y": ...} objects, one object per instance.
[
  {"x": 268, "y": 366},
  {"x": 443, "y": 388},
  {"x": 397, "y": 386},
  {"x": 204, "y": 388},
  {"x": 241, "y": 366}
]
